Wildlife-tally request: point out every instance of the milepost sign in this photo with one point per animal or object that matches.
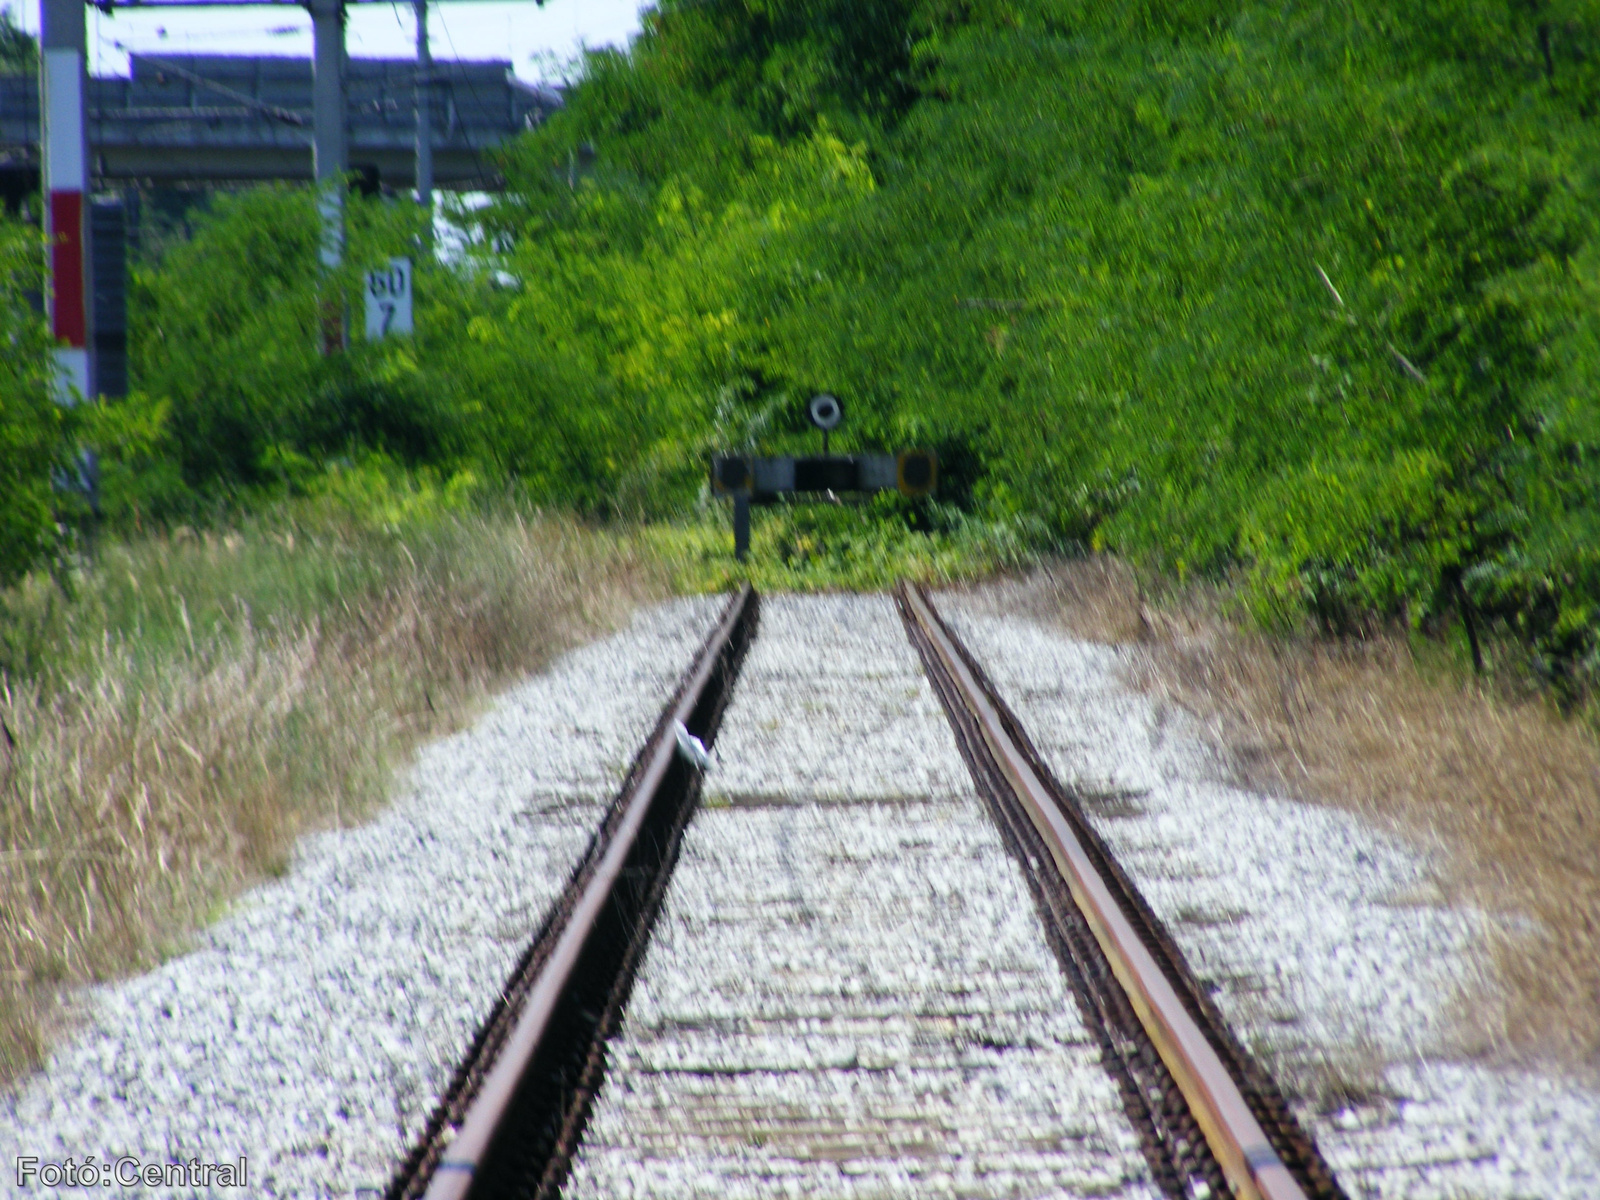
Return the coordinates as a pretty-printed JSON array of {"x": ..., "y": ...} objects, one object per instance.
[{"x": 388, "y": 292}]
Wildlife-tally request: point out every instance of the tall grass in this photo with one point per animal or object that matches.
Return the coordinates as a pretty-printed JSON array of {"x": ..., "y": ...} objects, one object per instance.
[
  {"x": 1389, "y": 727},
  {"x": 175, "y": 716}
]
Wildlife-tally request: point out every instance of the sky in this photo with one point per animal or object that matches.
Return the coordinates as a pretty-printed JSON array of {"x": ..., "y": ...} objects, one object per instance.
[{"x": 539, "y": 42}]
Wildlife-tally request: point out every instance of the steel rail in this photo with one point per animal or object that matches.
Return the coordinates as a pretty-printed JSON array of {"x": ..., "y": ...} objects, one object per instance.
[
  {"x": 453, "y": 1176},
  {"x": 1249, "y": 1162}
]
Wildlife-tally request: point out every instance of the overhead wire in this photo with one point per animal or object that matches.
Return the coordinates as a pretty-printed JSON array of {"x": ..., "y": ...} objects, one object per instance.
[
  {"x": 283, "y": 115},
  {"x": 455, "y": 55}
]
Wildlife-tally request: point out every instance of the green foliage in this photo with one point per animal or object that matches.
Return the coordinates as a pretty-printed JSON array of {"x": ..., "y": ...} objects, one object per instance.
[
  {"x": 19, "y": 51},
  {"x": 226, "y": 336},
  {"x": 136, "y": 450},
  {"x": 651, "y": 346},
  {"x": 830, "y": 547},
  {"x": 1304, "y": 292},
  {"x": 33, "y": 429},
  {"x": 784, "y": 65}
]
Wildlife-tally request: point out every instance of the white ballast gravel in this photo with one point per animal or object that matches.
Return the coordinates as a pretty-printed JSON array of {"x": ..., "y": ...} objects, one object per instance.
[
  {"x": 313, "y": 1029},
  {"x": 1314, "y": 929},
  {"x": 848, "y": 993}
]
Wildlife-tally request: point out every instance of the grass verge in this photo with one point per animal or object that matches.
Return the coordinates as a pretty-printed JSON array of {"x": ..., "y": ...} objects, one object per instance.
[
  {"x": 815, "y": 546},
  {"x": 176, "y": 717},
  {"x": 1384, "y": 727},
  {"x": 172, "y": 719}
]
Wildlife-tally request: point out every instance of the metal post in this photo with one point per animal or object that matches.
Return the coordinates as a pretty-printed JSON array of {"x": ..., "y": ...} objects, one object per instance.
[
  {"x": 330, "y": 153},
  {"x": 108, "y": 237},
  {"x": 63, "y": 36},
  {"x": 741, "y": 526},
  {"x": 424, "y": 88}
]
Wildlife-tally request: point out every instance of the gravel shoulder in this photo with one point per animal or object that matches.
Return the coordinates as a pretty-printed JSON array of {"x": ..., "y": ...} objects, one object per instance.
[
  {"x": 1327, "y": 942},
  {"x": 312, "y": 1029}
]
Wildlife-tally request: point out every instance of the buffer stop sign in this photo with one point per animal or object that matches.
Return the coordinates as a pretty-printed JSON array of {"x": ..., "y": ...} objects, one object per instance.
[
  {"x": 825, "y": 412},
  {"x": 389, "y": 299}
]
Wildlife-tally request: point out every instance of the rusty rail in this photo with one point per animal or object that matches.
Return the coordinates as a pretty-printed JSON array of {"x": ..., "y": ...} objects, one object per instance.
[
  {"x": 517, "y": 1108},
  {"x": 1248, "y": 1159}
]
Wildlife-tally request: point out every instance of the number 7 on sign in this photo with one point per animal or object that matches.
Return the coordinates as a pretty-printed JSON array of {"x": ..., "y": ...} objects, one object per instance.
[{"x": 388, "y": 292}]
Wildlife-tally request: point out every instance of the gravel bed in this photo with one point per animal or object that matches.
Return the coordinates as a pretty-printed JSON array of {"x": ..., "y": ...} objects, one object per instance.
[
  {"x": 848, "y": 993},
  {"x": 1326, "y": 941},
  {"x": 313, "y": 1028}
]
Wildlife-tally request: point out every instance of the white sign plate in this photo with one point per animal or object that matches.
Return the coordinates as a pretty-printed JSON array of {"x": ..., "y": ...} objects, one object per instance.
[{"x": 389, "y": 299}]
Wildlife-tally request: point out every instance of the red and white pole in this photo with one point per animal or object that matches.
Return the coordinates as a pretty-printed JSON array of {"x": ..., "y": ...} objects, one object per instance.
[{"x": 65, "y": 145}]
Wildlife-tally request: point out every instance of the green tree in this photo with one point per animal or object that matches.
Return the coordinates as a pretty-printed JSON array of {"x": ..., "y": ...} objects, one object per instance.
[
  {"x": 33, "y": 428},
  {"x": 1287, "y": 289},
  {"x": 1303, "y": 292},
  {"x": 226, "y": 335},
  {"x": 19, "y": 51}
]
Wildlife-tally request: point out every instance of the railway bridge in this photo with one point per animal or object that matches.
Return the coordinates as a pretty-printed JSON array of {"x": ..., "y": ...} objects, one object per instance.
[{"x": 214, "y": 120}]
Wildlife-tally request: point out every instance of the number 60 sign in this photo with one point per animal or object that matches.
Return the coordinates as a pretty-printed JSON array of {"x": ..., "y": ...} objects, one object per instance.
[{"x": 389, "y": 299}]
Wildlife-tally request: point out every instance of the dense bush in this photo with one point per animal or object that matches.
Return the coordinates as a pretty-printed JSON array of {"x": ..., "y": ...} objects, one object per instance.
[
  {"x": 33, "y": 430},
  {"x": 227, "y": 330},
  {"x": 1303, "y": 290},
  {"x": 1303, "y": 293}
]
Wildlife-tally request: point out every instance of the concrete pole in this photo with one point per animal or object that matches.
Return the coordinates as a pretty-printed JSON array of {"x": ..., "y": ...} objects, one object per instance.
[
  {"x": 63, "y": 36},
  {"x": 330, "y": 150},
  {"x": 424, "y": 112}
]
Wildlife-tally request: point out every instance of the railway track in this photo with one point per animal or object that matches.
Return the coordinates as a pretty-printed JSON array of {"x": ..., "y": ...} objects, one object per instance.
[{"x": 919, "y": 1033}]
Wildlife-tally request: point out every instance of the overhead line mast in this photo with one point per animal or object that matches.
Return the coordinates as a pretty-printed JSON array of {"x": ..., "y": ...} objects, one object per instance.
[
  {"x": 330, "y": 153},
  {"x": 424, "y": 97}
]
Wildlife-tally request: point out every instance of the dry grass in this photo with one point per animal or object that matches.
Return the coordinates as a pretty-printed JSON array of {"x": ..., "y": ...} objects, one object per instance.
[
  {"x": 208, "y": 699},
  {"x": 1509, "y": 789}
]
